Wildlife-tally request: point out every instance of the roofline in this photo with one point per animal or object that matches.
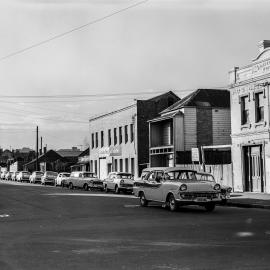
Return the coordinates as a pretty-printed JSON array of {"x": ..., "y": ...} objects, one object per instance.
[{"x": 113, "y": 112}]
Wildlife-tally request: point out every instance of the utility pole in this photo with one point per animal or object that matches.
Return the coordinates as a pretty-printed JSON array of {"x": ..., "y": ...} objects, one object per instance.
[
  {"x": 41, "y": 145},
  {"x": 37, "y": 151}
]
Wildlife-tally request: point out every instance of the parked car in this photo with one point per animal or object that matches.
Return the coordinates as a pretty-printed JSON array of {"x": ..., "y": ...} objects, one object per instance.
[
  {"x": 14, "y": 175},
  {"x": 176, "y": 186},
  {"x": 8, "y": 176},
  {"x": 85, "y": 180},
  {"x": 61, "y": 179},
  {"x": 3, "y": 174},
  {"x": 36, "y": 177},
  {"x": 23, "y": 176},
  {"x": 49, "y": 177},
  {"x": 119, "y": 181},
  {"x": 225, "y": 191}
]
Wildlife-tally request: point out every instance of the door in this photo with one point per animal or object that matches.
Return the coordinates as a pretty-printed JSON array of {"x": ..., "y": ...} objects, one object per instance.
[
  {"x": 102, "y": 168},
  {"x": 253, "y": 168}
]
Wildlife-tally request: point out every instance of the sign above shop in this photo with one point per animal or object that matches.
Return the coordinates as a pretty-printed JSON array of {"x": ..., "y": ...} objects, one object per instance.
[{"x": 111, "y": 151}]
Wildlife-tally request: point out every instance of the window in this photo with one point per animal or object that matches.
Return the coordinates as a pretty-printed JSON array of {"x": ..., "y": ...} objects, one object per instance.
[
  {"x": 109, "y": 137},
  {"x": 126, "y": 164},
  {"x": 126, "y": 134},
  {"x": 115, "y": 136},
  {"x": 96, "y": 166},
  {"x": 96, "y": 140},
  {"x": 115, "y": 165},
  {"x": 101, "y": 138},
  {"x": 244, "y": 110},
  {"x": 93, "y": 140},
  {"x": 131, "y": 132},
  {"x": 91, "y": 166},
  {"x": 120, "y": 135},
  {"x": 121, "y": 164},
  {"x": 132, "y": 165},
  {"x": 259, "y": 108}
]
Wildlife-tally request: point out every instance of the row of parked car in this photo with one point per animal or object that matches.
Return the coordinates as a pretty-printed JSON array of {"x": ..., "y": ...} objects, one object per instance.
[{"x": 170, "y": 186}]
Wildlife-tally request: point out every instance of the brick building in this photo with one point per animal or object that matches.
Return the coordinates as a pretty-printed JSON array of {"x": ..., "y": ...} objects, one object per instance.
[
  {"x": 199, "y": 119},
  {"x": 119, "y": 140},
  {"x": 249, "y": 87}
]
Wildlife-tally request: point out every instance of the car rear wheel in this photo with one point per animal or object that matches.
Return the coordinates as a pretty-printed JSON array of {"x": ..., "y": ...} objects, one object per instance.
[
  {"x": 172, "y": 203},
  {"x": 143, "y": 200},
  {"x": 70, "y": 186},
  {"x": 210, "y": 207},
  {"x": 85, "y": 187},
  {"x": 116, "y": 190}
]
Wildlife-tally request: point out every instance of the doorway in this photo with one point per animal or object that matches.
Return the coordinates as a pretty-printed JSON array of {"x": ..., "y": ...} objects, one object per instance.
[{"x": 253, "y": 168}]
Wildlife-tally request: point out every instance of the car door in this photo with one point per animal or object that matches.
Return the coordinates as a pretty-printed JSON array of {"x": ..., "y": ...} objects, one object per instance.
[
  {"x": 150, "y": 186},
  {"x": 110, "y": 179},
  {"x": 157, "y": 186}
]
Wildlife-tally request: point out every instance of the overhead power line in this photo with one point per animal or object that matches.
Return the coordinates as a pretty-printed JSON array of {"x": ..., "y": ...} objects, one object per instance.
[
  {"x": 72, "y": 30},
  {"x": 105, "y": 95}
]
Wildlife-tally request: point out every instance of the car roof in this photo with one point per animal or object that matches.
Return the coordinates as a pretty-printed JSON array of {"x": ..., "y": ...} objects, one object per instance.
[{"x": 169, "y": 169}]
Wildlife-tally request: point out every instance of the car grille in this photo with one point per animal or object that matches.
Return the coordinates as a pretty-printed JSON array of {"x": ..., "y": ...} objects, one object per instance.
[
  {"x": 97, "y": 183},
  {"x": 192, "y": 196},
  {"x": 126, "y": 185}
]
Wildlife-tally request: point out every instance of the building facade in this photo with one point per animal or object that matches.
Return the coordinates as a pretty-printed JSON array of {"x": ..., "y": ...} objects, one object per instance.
[
  {"x": 249, "y": 88},
  {"x": 199, "y": 119},
  {"x": 119, "y": 140}
]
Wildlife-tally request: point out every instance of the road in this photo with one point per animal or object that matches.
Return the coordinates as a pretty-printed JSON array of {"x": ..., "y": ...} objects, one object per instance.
[{"x": 55, "y": 228}]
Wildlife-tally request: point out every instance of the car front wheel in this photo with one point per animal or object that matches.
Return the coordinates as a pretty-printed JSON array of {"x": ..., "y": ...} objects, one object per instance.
[
  {"x": 143, "y": 200},
  {"x": 116, "y": 190},
  {"x": 85, "y": 187},
  {"x": 70, "y": 186},
  {"x": 172, "y": 203}
]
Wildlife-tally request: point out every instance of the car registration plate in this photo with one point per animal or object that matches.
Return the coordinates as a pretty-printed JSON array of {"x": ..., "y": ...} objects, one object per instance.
[{"x": 201, "y": 199}]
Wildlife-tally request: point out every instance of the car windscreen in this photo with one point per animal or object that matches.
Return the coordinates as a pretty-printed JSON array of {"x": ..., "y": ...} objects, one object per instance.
[
  {"x": 66, "y": 174},
  {"x": 39, "y": 173},
  {"x": 26, "y": 173},
  {"x": 89, "y": 175},
  {"x": 205, "y": 177},
  {"x": 124, "y": 175},
  {"x": 180, "y": 175}
]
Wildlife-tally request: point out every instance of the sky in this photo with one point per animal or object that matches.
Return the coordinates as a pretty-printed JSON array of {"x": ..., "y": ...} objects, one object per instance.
[{"x": 151, "y": 47}]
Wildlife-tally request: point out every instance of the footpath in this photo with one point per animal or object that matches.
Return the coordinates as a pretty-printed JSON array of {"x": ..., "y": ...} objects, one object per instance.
[{"x": 250, "y": 200}]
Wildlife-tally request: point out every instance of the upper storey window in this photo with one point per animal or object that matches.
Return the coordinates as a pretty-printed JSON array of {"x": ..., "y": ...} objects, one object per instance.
[
  {"x": 259, "y": 108},
  {"x": 244, "y": 110}
]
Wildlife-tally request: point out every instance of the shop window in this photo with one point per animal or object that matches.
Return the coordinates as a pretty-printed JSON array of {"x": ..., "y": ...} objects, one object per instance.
[
  {"x": 126, "y": 165},
  {"x": 120, "y": 135},
  {"x": 126, "y": 134},
  {"x": 93, "y": 140},
  {"x": 121, "y": 165},
  {"x": 96, "y": 166},
  {"x": 109, "y": 137},
  {"x": 96, "y": 139},
  {"x": 244, "y": 110},
  {"x": 115, "y": 165},
  {"x": 131, "y": 132},
  {"x": 132, "y": 165},
  {"x": 259, "y": 108},
  {"x": 101, "y": 138},
  {"x": 115, "y": 135}
]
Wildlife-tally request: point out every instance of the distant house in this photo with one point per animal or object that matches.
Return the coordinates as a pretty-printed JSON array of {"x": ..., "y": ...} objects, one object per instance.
[
  {"x": 83, "y": 163},
  {"x": 49, "y": 161},
  {"x": 199, "y": 119},
  {"x": 71, "y": 155}
]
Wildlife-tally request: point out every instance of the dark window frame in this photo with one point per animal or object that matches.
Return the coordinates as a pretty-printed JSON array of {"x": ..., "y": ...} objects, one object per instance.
[
  {"x": 259, "y": 108},
  {"x": 126, "y": 133}
]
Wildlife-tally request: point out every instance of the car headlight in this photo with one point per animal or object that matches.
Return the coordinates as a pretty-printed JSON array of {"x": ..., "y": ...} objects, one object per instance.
[
  {"x": 122, "y": 182},
  {"x": 217, "y": 187},
  {"x": 183, "y": 187},
  {"x": 229, "y": 189}
]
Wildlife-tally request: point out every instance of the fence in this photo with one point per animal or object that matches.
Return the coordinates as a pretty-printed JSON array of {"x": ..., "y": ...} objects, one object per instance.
[{"x": 222, "y": 172}]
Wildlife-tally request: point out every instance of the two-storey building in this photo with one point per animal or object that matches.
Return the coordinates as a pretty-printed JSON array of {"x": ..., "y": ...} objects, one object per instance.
[
  {"x": 249, "y": 87},
  {"x": 200, "y": 119},
  {"x": 119, "y": 140}
]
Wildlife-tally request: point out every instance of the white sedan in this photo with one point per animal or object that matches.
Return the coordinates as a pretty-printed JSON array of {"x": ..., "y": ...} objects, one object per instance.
[{"x": 61, "y": 178}]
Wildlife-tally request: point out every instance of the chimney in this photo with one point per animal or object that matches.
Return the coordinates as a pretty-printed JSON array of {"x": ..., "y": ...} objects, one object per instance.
[
  {"x": 45, "y": 149},
  {"x": 262, "y": 45}
]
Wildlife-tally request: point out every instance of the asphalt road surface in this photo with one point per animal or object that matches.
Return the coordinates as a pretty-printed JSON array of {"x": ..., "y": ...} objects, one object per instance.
[{"x": 55, "y": 228}]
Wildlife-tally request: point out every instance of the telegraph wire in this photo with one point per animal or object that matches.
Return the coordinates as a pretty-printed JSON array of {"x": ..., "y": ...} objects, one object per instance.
[{"x": 72, "y": 30}]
